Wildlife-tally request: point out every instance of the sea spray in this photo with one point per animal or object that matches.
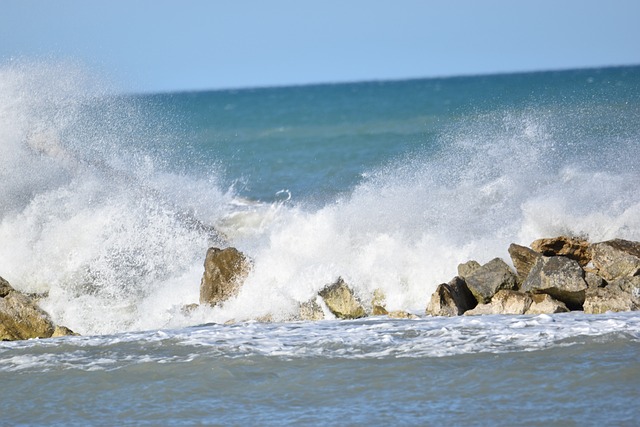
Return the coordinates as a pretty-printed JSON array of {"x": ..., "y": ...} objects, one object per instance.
[
  {"x": 497, "y": 178},
  {"x": 88, "y": 216},
  {"x": 101, "y": 211}
]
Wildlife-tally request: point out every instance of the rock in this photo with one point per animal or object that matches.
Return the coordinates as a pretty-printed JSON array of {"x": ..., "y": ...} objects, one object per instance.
[
  {"x": 593, "y": 280},
  {"x": 378, "y": 310},
  {"x": 5, "y": 288},
  {"x": 21, "y": 318},
  {"x": 504, "y": 302},
  {"x": 188, "y": 309},
  {"x": 341, "y": 301},
  {"x": 224, "y": 271},
  {"x": 481, "y": 310},
  {"x": 545, "y": 304},
  {"x": 451, "y": 299},
  {"x": 560, "y": 277},
  {"x": 571, "y": 247},
  {"x": 523, "y": 260},
  {"x": 616, "y": 258},
  {"x": 402, "y": 315},
  {"x": 311, "y": 311},
  {"x": 63, "y": 331},
  {"x": 620, "y": 295},
  {"x": 489, "y": 279},
  {"x": 378, "y": 303},
  {"x": 467, "y": 268}
]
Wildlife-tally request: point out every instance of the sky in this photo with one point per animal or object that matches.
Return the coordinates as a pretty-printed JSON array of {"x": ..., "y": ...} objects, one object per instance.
[{"x": 171, "y": 45}]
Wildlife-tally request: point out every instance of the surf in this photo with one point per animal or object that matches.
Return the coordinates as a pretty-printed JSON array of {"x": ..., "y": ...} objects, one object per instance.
[{"x": 108, "y": 204}]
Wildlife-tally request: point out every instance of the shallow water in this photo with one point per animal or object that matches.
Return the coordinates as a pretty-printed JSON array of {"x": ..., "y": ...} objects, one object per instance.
[{"x": 560, "y": 369}]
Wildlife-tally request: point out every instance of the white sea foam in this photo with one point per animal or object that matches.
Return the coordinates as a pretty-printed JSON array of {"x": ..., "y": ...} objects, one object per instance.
[
  {"x": 90, "y": 216},
  {"x": 373, "y": 338}
]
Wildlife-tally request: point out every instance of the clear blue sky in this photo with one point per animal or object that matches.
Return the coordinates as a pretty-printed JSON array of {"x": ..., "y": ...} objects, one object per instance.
[{"x": 169, "y": 45}]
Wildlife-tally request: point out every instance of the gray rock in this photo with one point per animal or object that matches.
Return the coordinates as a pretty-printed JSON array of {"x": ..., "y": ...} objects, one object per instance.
[
  {"x": 593, "y": 280},
  {"x": 451, "y": 299},
  {"x": 571, "y": 247},
  {"x": 504, "y": 302},
  {"x": 560, "y": 277},
  {"x": 467, "y": 268},
  {"x": 616, "y": 258},
  {"x": 489, "y": 279},
  {"x": 523, "y": 259},
  {"x": 224, "y": 271},
  {"x": 341, "y": 301}
]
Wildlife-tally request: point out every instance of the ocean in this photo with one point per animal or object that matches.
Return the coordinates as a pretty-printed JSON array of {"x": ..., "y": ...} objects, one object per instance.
[{"x": 109, "y": 201}]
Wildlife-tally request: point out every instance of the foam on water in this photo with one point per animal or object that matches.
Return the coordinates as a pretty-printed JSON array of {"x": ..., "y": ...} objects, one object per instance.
[
  {"x": 373, "y": 338},
  {"x": 91, "y": 214}
]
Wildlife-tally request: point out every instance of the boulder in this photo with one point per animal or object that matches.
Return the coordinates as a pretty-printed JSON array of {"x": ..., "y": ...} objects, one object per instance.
[
  {"x": 341, "y": 301},
  {"x": 63, "y": 331},
  {"x": 489, "y": 279},
  {"x": 504, "y": 302},
  {"x": 5, "y": 288},
  {"x": 21, "y": 318},
  {"x": 560, "y": 277},
  {"x": 593, "y": 280},
  {"x": 311, "y": 310},
  {"x": 451, "y": 299},
  {"x": 523, "y": 260},
  {"x": 571, "y": 247},
  {"x": 620, "y": 295},
  {"x": 224, "y": 271},
  {"x": 378, "y": 303},
  {"x": 545, "y": 304},
  {"x": 467, "y": 268},
  {"x": 616, "y": 258},
  {"x": 402, "y": 315}
]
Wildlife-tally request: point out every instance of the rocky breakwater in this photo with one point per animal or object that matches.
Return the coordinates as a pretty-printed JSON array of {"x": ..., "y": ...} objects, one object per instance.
[
  {"x": 21, "y": 318},
  {"x": 226, "y": 269},
  {"x": 551, "y": 276}
]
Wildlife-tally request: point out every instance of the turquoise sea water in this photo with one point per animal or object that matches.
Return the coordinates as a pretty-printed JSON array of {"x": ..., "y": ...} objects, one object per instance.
[{"x": 106, "y": 208}]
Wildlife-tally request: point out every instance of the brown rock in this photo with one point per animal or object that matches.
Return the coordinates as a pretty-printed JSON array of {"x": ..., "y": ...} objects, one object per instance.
[
  {"x": 489, "y": 279},
  {"x": 21, "y": 318},
  {"x": 62, "y": 331},
  {"x": 451, "y": 299},
  {"x": 311, "y": 310},
  {"x": 560, "y": 277},
  {"x": 545, "y": 304},
  {"x": 616, "y": 258},
  {"x": 523, "y": 260},
  {"x": 224, "y": 271},
  {"x": 504, "y": 302},
  {"x": 5, "y": 288},
  {"x": 402, "y": 315},
  {"x": 571, "y": 247},
  {"x": 620, "y": 295},
  {"x": 378, "y": 303},
  {"x": 341, "y": 301}
]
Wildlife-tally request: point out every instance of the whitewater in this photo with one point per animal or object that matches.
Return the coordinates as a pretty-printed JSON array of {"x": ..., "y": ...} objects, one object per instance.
[{"x": 108, "y": 203}]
